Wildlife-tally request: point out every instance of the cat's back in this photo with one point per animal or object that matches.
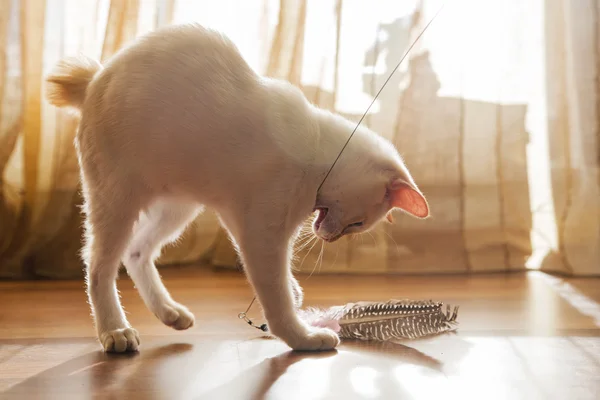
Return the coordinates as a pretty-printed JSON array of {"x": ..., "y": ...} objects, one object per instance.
[
  {"x": 172, "y": 90},
  {"x": 183, "y": 99},
  {"x": 180, "y": 49},
  {"x": 173, "y": 72}
]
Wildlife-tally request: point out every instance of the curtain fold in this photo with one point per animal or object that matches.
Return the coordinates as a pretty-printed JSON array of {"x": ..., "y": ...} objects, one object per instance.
[
  {"x": 495, "y": 112},
  {"x": 572, "y": 56}
]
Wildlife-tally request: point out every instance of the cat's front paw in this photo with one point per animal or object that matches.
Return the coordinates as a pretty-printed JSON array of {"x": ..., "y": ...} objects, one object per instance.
[
  {"x": 316, "y": 339},
  {"x": 176, "y": 316},
  {"x": 120, "y": 340}
]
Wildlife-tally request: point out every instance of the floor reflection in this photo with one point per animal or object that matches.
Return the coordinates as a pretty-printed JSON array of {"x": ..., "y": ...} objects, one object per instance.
[
  {"x": 457, "y": 365},
  {"x": 520, "y": 337}
]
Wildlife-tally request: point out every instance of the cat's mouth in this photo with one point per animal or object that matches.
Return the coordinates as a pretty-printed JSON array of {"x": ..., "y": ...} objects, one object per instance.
[
  {"x": 322, "y": 213},
  {"x": 320, "y": 217}
]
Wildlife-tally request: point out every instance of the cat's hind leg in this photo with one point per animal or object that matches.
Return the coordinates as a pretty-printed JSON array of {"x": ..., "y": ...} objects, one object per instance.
[
  {"x": 110, "y": 215},
  {"x": 162, "y": 223}
]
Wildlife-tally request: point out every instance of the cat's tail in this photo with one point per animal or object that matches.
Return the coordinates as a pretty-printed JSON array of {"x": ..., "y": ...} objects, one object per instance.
[{"x": 68, "y": 81}]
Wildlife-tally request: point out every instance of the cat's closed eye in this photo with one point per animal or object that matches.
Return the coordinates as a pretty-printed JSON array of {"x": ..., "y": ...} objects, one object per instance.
[{"x": 354, "y": 225}]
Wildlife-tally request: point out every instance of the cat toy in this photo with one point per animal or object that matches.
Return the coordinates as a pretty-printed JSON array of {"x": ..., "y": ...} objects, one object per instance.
[
  {"x": 379, "y": 321},
  {"x": 391, "y": 320}
]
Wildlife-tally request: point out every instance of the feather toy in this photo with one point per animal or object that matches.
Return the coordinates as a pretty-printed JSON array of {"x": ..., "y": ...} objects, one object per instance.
[{"x": 391, "y": 320}]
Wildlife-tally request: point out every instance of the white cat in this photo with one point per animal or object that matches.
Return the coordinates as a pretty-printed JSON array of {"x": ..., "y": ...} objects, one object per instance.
[{"x": 178, "y": 121}]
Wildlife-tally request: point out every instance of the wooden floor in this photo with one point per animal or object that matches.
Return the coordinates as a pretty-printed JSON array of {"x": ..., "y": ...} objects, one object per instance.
[{"x": 521, "y": 336}]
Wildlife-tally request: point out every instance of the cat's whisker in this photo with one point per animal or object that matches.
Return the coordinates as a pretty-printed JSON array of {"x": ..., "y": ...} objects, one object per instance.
[
  {"x": 337, "y": 251},
  {"x": 372, "y": 237},
  {"x": 390, "y": 236},
  {"x": 319, "y": 259},
  {"x": 307, "y": 253},
  {"x": 305, "y": 234},
  {"x": 304, "y": 231},
  {"x": 306, "y": 227},
  {"x": 307, "y": 239},
  {"x": 303, "y": 239},
  {"x": 304, "y": 245},
  {"x": 321, "y": 256}
]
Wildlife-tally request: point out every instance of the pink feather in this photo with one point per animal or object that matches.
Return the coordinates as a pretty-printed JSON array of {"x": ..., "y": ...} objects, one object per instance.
[{"x": 322, "y": 318}]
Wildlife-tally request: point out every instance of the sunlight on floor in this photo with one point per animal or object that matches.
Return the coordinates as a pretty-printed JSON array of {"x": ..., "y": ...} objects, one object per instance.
[
  {"x": 569, "y": 293},
  {"x": 363, "y": 380}
]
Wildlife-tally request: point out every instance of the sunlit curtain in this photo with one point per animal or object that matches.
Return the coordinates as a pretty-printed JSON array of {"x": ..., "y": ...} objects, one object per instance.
[{"x": 495, "y": 112}]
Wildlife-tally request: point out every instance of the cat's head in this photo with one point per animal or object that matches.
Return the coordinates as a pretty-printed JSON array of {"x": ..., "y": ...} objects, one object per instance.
[{"x": 369, "y": 181}]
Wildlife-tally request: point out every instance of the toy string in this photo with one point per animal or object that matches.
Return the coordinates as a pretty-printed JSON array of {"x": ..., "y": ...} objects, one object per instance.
[
  {"x": 377, "y": 95},
  {"x": 244, "y": 315}
]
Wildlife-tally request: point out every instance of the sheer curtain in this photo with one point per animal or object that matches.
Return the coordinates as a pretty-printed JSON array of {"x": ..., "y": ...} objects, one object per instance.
[{"x": 495, "y": 112}]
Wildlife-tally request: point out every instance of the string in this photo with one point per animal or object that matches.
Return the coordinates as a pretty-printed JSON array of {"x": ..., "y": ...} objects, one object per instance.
[
  {"x": 244, "y": 315},
  {"x": 377, "y": 95}
]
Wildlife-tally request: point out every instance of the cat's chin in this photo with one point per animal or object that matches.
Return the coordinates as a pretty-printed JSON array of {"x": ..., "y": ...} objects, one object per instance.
[
  {"x": 328, "y": 239},
  {"x": 332, "y": 239}
]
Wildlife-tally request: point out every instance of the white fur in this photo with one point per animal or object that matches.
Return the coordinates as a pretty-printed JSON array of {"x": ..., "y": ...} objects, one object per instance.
[{"x": 178, "y": 121}]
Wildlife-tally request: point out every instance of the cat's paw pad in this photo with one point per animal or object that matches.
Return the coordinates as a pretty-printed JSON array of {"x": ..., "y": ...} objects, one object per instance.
[
  {"x": 176, "y": 316},
  {"x": 120, "y": 340},
  {"x": 317, "y": 340}
]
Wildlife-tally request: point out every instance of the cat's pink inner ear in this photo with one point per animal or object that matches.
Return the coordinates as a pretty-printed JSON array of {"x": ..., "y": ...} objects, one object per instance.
[{"x": 407, "y": 198}]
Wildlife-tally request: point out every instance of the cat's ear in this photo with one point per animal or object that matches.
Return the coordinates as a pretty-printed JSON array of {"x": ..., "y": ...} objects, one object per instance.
[{"x": 406, "y": 197}]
